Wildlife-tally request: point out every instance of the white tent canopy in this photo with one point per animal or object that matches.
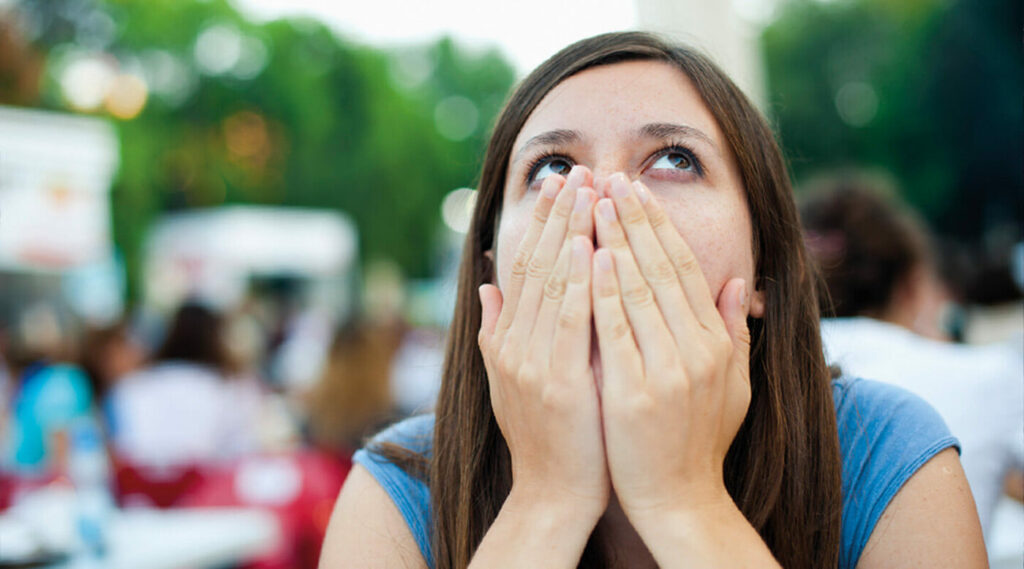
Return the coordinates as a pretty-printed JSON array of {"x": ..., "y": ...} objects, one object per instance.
[{"x": 212, "y": 253}]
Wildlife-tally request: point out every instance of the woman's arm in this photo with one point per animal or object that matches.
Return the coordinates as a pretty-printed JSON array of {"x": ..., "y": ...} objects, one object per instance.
[
  {"x": 367, "y": 530},
  {"x": 537, "y": 533},
  {"x": 931, "y": 522},
  {"x": 535, "y": 342}
]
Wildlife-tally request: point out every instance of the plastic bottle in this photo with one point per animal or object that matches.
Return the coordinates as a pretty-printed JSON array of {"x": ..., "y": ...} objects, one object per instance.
[{"x": 89, "y": 469}]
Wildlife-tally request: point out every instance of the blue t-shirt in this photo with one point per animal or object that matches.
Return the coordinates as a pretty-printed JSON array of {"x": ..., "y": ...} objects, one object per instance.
[{"x": 885, "y": 434}]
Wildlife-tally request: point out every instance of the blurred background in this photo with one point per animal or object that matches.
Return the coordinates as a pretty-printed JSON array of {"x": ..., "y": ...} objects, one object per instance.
[{"x": 229, "y": 230}]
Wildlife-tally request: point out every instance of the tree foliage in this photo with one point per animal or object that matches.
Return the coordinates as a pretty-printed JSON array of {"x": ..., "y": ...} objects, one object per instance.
[
  {"x": 310, "y": 119},
  {"x": 929, "y": 90}
]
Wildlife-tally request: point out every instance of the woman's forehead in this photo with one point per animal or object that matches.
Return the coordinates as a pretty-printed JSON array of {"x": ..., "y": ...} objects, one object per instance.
[{"x": 619, "y": 99}]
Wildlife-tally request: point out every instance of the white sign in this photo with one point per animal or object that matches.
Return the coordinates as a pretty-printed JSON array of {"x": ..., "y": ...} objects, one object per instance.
[{"x": 55, "y": 176}]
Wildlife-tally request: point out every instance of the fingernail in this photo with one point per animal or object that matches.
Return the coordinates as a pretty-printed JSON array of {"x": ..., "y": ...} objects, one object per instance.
[
  {"x": 582, "y": 201},
  {"x": 607, "y": 209},
  {"x": 550, "y": 188},
  {"x": 620, "y": 186},
  {"x": 576, "y": 175},
  {"x": 641, "y": 192},
  {"x": 604, "y": 259},
  {"x": 744, "y": 296}
]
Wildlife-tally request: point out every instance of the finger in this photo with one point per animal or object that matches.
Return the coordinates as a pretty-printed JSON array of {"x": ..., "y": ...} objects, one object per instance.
[
  {"x": 653, "y": 262},
  {"x": 490, "y": 308},
  {"x": 734, "y": 306},
  {"x": 648, "y": 324},
  {"x": 550, "y": 190},
  {"x": 555, "y": 288},
  {"x": 687, "y": 268},
  {"x": 571, "y": 339},
  {"x": 620, "y": 358},
  {"x": 549, "y": 246}
]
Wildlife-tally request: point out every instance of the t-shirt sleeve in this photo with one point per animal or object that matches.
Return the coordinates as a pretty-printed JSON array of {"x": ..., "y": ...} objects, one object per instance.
[
  {"x": 885, "y": 435},
  {"x": 410, "y": 494}
]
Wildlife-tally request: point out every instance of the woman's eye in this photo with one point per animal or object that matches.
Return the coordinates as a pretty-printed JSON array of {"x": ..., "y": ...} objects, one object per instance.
[
  {"x": 674, "y": 160},
  {"x": 559, "y": 166}
]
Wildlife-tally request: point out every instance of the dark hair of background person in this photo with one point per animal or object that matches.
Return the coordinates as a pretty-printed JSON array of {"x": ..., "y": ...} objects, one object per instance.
[
  {"x": 96, "y": 354},
  {"x": 867, "y": 244},
  {"x": 783, "y": 468},
  {"x": 195, "y": 335}
]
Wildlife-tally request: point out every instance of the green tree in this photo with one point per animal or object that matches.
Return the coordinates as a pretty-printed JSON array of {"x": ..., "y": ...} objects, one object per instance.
[
  {"x": 929, "y": 90},
  {"x": 302, "y": 118}
]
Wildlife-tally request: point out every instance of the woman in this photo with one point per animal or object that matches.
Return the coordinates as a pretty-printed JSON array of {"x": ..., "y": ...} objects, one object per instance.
[{"x": 667, "y": 432}]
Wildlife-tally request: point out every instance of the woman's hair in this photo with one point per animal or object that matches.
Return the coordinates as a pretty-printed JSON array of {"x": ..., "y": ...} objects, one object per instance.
[
  {"x": 783, "y": 469},
  {"x": 196, "y": 336},
  {"x": 865, "y": 241}
]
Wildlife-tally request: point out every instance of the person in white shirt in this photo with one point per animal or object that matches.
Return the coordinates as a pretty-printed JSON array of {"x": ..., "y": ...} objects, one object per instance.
[
  {"x": 186, "y": 408},
  {"x": 888, "y": 303}
]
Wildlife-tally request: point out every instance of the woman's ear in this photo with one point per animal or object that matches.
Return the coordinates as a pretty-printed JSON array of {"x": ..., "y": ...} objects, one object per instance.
[
  {"x": 757, "y": 303},
  {"x": 492, "y": 266}
]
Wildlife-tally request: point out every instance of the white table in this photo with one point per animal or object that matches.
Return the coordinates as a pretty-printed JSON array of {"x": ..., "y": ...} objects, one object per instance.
[{"x": 184, "y": 538}]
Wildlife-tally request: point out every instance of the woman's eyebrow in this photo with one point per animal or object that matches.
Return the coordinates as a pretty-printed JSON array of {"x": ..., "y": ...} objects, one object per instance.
[
  {"x": 669, "y": 130},
  {"x": 550, "y": 138}
]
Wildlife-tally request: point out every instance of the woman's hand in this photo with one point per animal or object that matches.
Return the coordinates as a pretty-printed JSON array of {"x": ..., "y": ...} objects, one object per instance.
[
  {"x": 676, "y": 380},
  {"x": 535, "y": 341}
]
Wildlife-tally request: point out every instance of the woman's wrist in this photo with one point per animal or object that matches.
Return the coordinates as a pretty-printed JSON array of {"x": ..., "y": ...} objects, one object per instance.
[
  {"x": 712, "y": 529},
  {"x": 549, "y": 505},
  {"x": 537, "y": 530}
]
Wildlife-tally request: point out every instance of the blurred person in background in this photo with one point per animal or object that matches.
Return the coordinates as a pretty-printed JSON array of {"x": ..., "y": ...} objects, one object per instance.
[
  {"x": 353, "y": 397},
  {"x": 187, "y": 406},
  {"x": 48, "y": 393},
  {"x": 109, "y": 354},
  {"x": 888, "y": 301}
]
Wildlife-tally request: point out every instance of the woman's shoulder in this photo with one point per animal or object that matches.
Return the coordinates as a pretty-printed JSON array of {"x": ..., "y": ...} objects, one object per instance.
[
  {"x": 414, "y": 433},
  {"x": 886, "y": 434},
  {"x": 409, "y": 493}
]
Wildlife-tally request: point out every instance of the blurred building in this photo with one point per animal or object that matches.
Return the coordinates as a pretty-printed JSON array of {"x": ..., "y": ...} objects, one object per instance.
[
  {"x": 727, "y": 30},
  {"x": 55, "y": 238}
]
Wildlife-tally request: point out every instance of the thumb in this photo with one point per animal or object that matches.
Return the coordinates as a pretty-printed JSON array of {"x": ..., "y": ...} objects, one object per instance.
[
  {"x": 734, "y": 306},
  {"x": 490, "y": 303}
]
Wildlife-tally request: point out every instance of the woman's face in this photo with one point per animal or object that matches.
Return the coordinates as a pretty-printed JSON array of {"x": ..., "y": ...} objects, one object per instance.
[{"x": 645, "y": 119}]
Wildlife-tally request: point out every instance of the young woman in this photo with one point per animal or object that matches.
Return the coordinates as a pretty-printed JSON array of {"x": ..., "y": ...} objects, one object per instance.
[{"x": 634, "y": 375}]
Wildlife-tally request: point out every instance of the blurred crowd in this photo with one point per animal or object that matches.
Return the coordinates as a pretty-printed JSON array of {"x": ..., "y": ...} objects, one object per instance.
[
  {"x": 262, "y": 404},
  {"x": 208, "y": 407}
]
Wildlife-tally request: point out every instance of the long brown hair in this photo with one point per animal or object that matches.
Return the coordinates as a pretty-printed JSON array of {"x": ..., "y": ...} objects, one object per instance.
[{"x": 783, "y": 469}]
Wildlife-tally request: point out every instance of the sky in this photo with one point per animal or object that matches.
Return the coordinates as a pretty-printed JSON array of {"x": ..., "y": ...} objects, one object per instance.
[{"x": 526, "y": 31}]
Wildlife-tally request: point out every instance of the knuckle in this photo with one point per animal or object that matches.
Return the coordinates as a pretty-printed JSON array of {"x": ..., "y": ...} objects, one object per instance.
[
  {"x": 527, "y": 376},
  {"x": 554, "y": 398},
  {"x": 639, "y": 405},
  {"x": 536, "y": 268},
  {"x": 554, "y": 288},
  {"x": 619, "y": 331},
  {"x": 540, "y": 215},
  {"x": 561, "y": 210},
  {"x": 569, "y": 320},
  {"x": 659, "y": 272},
  {"x": 508, "y": 363},
  {"x": 519, "y": 264},
  {"x": 639, "y": 295},
  {"x": 686, "y": 264},
  {"x": 606, "y": 290},
  {"x": 657, "y": 218},
  {"x": 633, "y": 216}
]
